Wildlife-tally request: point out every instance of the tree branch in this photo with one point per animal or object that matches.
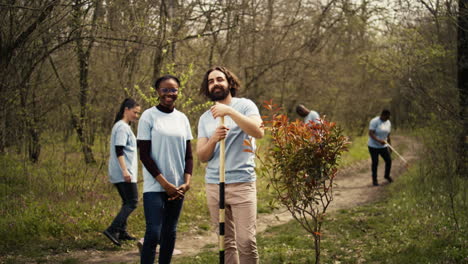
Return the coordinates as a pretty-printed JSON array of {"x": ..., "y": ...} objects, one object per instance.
[{"x": 25, "y": 34}]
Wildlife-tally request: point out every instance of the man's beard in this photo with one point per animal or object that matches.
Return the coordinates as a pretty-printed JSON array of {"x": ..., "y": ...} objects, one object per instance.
[{"x": 217, "y": 95}]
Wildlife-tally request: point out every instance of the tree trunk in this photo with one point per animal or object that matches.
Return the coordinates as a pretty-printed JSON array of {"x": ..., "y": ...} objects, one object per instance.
[
  {"x": 3, "y": 126},
  {"x": 34, "y": 121},
  {"x": 82, "y": 124},
  {"x": 13, "y": 45},
  {"x": 159, "y": 55},
  {"x": 317, "y": 250},
  {"x": 462, "y": 43},
  {"x": 34, "y": 144},
  {"x": 158, "y": 63}
]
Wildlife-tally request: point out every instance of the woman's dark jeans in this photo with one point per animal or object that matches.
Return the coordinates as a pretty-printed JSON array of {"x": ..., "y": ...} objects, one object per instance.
[
  {"x": 375, "y": 152},
  {"x": 129, "y": 193},
  {"x": 161, "y": 217}
]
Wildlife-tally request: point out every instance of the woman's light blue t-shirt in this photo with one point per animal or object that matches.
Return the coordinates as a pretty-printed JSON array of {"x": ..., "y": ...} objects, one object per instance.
[
  {"x": 381, "y": 130},
  {"x": 122, "y": 135},
  {"x": 168, "y": 133},
  {"x": 239, "y": 165}
]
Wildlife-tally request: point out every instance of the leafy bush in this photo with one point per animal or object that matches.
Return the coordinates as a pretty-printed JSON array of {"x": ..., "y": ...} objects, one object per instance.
[{"x": 301, "y": 163}]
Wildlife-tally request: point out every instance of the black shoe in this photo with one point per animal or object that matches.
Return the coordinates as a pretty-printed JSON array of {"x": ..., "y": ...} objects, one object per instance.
[
  {"x": 389, "y": 179},
  {"x": 126, "y": 236},
  {"x": 113, "y": 236},
  {"x": 375, "y": 183},
  {"x": 140, "y": 245}
]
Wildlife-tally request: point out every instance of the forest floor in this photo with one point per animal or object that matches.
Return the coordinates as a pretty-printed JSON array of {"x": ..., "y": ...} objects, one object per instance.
[{"x": 353, "y": 188}]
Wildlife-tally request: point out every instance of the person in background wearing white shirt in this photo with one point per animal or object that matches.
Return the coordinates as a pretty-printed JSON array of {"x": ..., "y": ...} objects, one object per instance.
[
  {"x": 308, "y": 115},
  {"x": 379, "y": 136},
  {"x": 123, "y": 168}
]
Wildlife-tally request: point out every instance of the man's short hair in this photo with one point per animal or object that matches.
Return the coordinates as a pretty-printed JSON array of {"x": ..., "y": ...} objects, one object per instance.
[
  {"x": 233, "y": 81},
  {"x": 385, "y": 112}
]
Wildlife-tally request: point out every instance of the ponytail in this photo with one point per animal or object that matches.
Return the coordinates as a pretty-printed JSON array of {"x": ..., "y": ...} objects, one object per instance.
[{"x": 127, "y": 103}]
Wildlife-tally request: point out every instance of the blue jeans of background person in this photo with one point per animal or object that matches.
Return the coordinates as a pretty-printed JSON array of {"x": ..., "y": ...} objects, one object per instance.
[
  {"x": 375, "y": 152},
  {"x": 161, "y": 217},
  {"x": 129, "y": 193}
]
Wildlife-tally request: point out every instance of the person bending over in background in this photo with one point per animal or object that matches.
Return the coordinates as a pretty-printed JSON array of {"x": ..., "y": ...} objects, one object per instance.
[
  {"x": 242, "y": 122},
  {"x": 123, "y": 168},
  {"x": 308, "y": 115},
  {"x": 379, "y": 136},
  {"x": 164, "y": 141}
]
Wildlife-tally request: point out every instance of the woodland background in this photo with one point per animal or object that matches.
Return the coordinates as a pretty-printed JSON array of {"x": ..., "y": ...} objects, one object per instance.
[{"x": 66, "y": 65}]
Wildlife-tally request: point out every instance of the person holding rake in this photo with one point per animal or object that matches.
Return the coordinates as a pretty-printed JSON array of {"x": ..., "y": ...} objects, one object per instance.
[
  {"x": 378, "y": 144},
  {"x": 242, "y": 122}
]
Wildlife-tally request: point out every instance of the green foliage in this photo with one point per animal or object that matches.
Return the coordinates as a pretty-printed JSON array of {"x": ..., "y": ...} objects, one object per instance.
[
  {"x": 63, "y": 204},
  {"x": 55, "y": 205},
  {"x": 301, "y": 162},
  {"x": 441, "y": 168},
  {"x": 358, "y": 151},
  {"x": 185, "y": 102},
  {"x": 403, "y": 227},
  {"x": 151, "y": 98}
]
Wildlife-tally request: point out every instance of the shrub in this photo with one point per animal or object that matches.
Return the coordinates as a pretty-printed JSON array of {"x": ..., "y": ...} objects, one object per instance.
[{"x": 301, "y": 163}]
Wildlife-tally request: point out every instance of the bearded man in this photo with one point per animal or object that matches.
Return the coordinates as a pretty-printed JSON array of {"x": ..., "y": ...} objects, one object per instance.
[{"x": 242, "y": 122}]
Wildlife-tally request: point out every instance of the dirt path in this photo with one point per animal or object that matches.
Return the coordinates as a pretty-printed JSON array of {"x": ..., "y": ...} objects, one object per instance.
[{"x": 353, "y": 188}]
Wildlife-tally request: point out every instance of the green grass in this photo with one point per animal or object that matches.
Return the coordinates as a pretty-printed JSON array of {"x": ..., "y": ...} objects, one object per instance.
[
  {"x": 54, "y": 207},
  {"x": 357, "y": 151},
  {"x": 62, "y": 204},
  {"x": 401, "y": 228}
]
